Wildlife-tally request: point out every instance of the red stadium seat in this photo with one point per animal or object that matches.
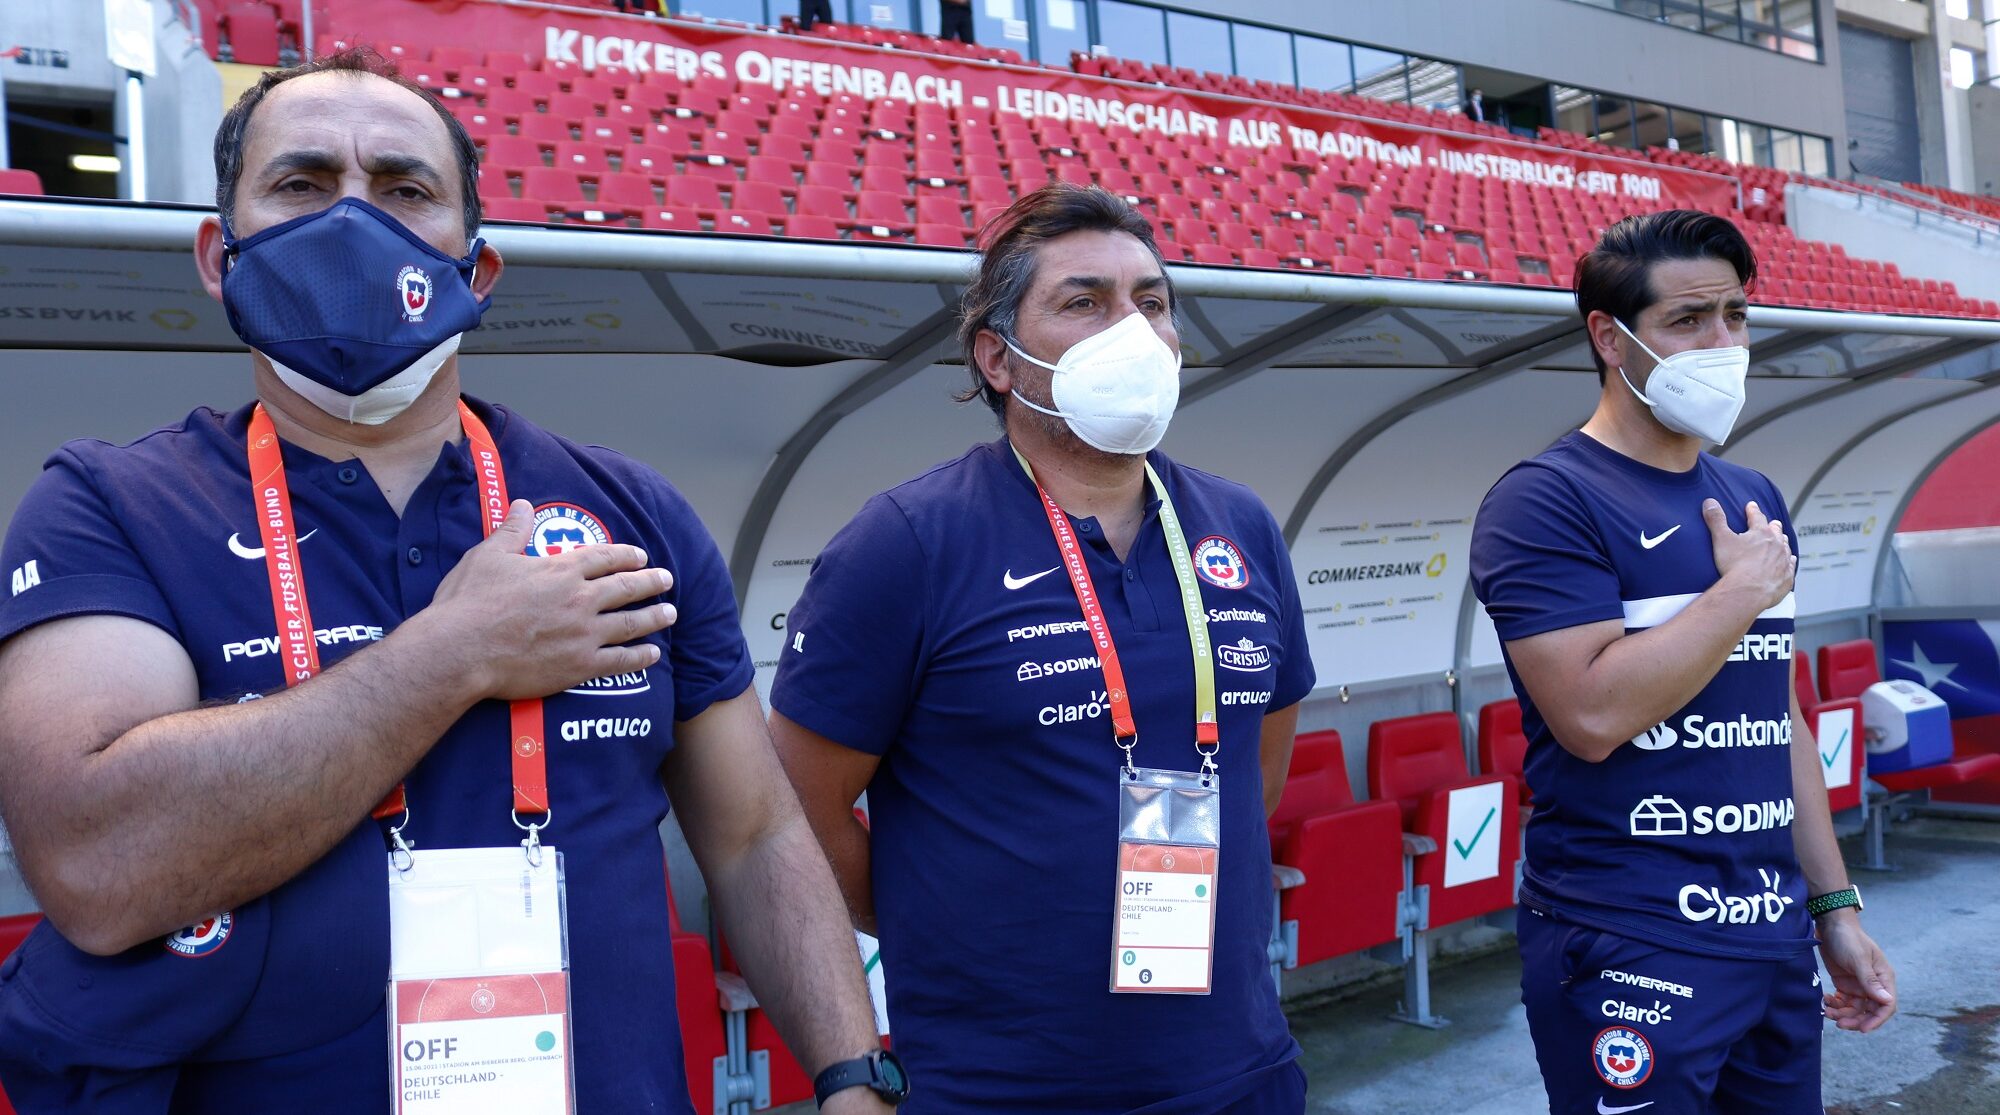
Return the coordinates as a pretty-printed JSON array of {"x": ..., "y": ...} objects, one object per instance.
[
  {"x": 700, "y": 194},
  {"x": 15, "y": 929},
  {"x": 942, "y": 235},
  {"x": 514, "y": 209},
  {"x": 1451, "y": 844},
  {"x": 812, "y": 226},
  {"x": 1502, "y": 744},
  {"x": 1842, "y": 717},
  {"x": 821, "y": 201},
  {"x": 632, "y": 193},
  {"x": 19, "y": 182},
  {"x": 558, "y": 187},
  {"x": 252, "y": 31},
  {"x": 670, "y": 218},
  {"x": 1350, "y": 854}
]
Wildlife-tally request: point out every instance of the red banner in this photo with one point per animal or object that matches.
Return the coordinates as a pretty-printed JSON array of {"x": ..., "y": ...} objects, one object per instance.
[{"x": 1308, "y": 136}]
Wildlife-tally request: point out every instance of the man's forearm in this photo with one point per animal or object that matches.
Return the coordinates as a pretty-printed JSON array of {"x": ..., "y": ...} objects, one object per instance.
[
  {"x": 1639, "y": 680},
  {"x": 786, "y": 923},
  {"x": 198, "y": 811}
]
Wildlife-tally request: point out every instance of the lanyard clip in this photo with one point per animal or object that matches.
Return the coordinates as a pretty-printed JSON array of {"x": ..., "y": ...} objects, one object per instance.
[
  {"x": 532, "y": 844},
  {"x": 1127, "y": 743},
  {"x": 401, "y": 855}
]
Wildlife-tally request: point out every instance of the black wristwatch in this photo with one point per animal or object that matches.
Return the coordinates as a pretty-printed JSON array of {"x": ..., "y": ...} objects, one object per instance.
[{"x": 880, "y": 1072}]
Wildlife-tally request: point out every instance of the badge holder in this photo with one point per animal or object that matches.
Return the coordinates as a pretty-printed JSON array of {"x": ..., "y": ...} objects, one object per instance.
[
  {"x": 479, "y": 1010},
  {"x": 1169, "y": 846}
]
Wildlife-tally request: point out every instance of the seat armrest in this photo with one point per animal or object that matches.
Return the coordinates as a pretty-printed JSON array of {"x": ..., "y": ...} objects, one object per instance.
[
  {"x": 1285, "y": 878},
  {"x": 734, "y": 994},
  {"x": 1417, "y": 844}
]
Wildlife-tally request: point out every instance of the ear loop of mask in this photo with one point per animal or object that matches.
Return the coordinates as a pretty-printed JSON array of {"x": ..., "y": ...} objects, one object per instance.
[
  {"x": 1621, "y": 367},
  {"x": 1024, "y": 400}
]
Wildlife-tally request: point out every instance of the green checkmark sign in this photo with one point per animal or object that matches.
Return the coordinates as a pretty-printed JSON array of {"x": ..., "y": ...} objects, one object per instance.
[
  {"x": 1465, "y": 850},
  {"x": 1829, "y": 759}
]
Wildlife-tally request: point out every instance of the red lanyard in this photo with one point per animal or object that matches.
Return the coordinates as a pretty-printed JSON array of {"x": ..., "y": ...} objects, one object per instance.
[
  {"x": 1124, "y": 728},
  {"x": 294, "y": 617}
]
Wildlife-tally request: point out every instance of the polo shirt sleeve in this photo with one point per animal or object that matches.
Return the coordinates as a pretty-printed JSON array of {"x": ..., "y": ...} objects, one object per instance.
[
  {"x": 853, "y": 642},
  {"x": 1296, "y": 676},
  {"x": 705, "y": 647},
  {"x": 1538, "y": 563},
  {"x": 67, "y": 554}
]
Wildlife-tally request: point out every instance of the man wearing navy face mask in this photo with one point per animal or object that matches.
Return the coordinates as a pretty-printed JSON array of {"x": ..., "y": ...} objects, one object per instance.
[
  {"x": 254, "y": 630},
  {"x": 1014, "y": 653},
  {"x": 1681, "y": 863}
]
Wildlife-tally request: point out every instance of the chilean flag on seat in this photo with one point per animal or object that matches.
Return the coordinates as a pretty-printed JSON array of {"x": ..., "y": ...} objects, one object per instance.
[{"x": 1959, "y": 660}]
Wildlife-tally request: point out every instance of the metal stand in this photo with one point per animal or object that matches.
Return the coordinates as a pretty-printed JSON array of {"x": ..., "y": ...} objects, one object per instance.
[
  {"x": 1413, "y": 916},
  {"x": 1283, "y": 948},
  {"x": 742, "y": 1078},
  {"x": 1876, "y": 802}
]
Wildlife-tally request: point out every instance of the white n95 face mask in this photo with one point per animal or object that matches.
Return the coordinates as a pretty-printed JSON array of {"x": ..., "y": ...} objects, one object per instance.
[
  {"x": 1698, "y": 392},
  {"x": 1116, "y": 388}
]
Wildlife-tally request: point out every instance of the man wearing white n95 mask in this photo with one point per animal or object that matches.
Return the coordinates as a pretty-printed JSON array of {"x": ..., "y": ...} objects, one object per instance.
[
  {"x": 979, "y": 649},
  {"x": 1681, "y": 864}
]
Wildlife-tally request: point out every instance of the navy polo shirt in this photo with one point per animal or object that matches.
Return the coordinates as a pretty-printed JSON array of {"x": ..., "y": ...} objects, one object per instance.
[
  {"x": 1682, "y": 837},
  {"x": 285, "y": 1006},
  {"x": 939, "y": 631}
]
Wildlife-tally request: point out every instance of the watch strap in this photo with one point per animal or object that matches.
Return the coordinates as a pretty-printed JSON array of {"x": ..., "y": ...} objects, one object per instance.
[
  {"x": 1834, "y": 900},
  {"x": 865, "y": 1071}
]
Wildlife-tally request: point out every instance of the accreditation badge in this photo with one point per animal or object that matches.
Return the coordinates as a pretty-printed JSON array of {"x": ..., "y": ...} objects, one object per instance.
[
  {"x": 1169, "y": 847},
  {"x": 479, "y": 984}
]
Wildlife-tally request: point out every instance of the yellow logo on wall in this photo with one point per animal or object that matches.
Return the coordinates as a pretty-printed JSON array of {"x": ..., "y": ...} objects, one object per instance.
[
  {"x": 1435, "y": 568},
  {"x": 177, "y": 320},
  {"x": 602, "y": 321}
]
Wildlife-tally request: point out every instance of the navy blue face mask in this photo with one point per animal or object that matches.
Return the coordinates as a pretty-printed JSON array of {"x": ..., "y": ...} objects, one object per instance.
[{"x": 354, "y": 311}]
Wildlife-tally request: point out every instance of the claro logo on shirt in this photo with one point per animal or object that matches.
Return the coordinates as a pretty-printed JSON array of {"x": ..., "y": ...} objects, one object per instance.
[
  {"x": 1701, "y": 904},
  {"x": 326, "y": 637}
]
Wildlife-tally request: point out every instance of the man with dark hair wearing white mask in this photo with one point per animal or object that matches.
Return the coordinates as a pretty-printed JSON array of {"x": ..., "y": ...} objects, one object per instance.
[
  {"x": 1681, "y": 863},
  {"x": 1020, "y": 655}
]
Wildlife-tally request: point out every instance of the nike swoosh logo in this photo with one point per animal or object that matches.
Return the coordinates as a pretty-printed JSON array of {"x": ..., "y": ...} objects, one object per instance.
[
  {"x": 1649, "y": 543},
  {"x": 1603, "y": 1110},
  {"x": 1012, "y": 582},
  {"x": 256, "y": 553}
]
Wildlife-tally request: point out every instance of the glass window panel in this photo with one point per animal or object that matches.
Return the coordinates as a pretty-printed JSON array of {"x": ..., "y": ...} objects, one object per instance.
[
  {"x": 1324, "y": 64},
  {"x": 1760, "y": 11},
  {"x": 1684, "y": 13},
  {"x": 1061, "y": 26},
  {"x": 880, "y": 13},
  {"x": 1786, "y": 154},
  {"x": 1648, "y": 9},
  {"x": 1721, "y": 138},
  {"x": 1614, "y": 121},
  {"x": 747, "y": 11},
  {"x": 1572, "y": 107},
  {"x": 1264, "y": 54},
  {"x": 1380, "y": 74},
  {"x": 1435, "y": 84},
  {"x": 1684, "y": 128},
  {"x": 1962, "y": 68},
  {"x": 1720, "y": 19},
  {"x": 992, "y": 22},
  {"x": 1198, "y": 43},
  {"x": 1799, "y": 18},
  {"x": 1649, "y": 125},
  {"x": 1753, "y": 143},
  {"x": 1131, "y": 30},
  {"x": 1817, "y": 155},
  {"x": 1958, "y": 9}
]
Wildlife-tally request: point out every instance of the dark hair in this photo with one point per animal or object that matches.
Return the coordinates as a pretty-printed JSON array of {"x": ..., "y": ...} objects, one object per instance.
[
  {"x": 1616, "y": 276},
  {"x": 235, "y": 127},
  {"x": 1007, "y": 269}
]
